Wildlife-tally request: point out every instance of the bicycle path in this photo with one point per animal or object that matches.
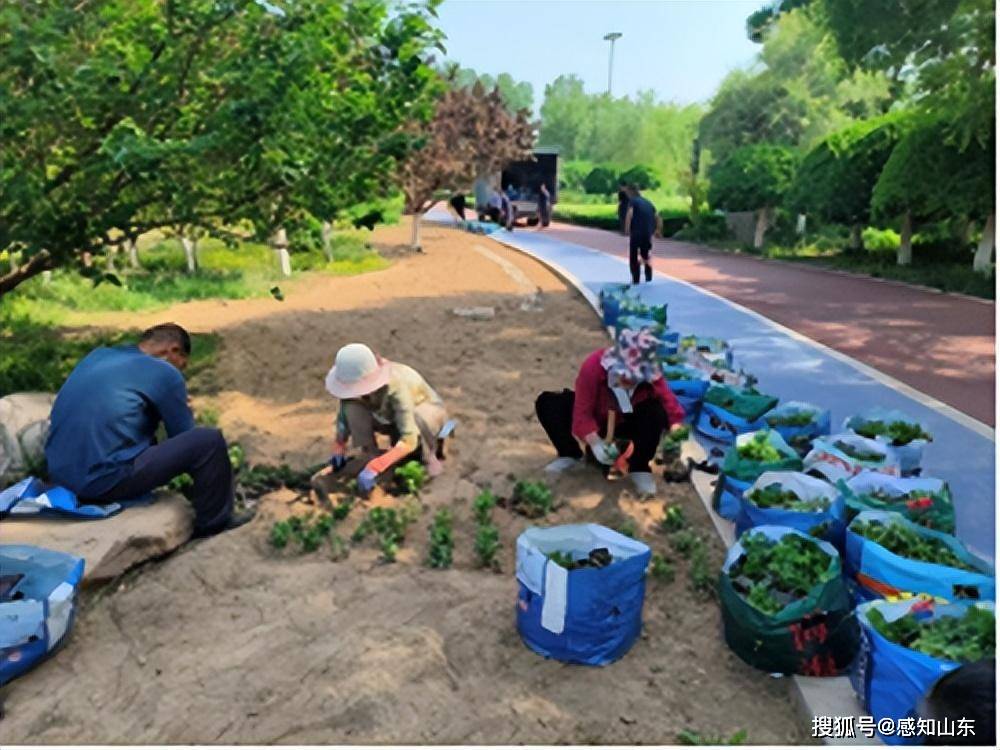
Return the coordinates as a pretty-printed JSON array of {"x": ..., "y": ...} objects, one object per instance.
[{"x": 942, "y": 345}]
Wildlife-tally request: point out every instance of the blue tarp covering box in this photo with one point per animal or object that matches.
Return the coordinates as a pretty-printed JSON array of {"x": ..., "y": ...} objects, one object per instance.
[
  {"x": 880, "y": 573},
  {"x": 908, "y": 456},
  {"x": 891, "y": 679},
  {"x": 689, "y": 386},
  {"x": 586, "y": 615},
  {"x": 37, "y": 608}
]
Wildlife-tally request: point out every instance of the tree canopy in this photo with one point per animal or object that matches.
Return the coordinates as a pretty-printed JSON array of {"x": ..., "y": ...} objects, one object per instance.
[
  {"x": 752, "y": 178},
  {"x": 137, "y": 114}
]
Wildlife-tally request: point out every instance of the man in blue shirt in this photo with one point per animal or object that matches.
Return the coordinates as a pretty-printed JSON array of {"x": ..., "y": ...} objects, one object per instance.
[
  {"x": 102, "y": 444},
  {"x": 641, "y": 222}
]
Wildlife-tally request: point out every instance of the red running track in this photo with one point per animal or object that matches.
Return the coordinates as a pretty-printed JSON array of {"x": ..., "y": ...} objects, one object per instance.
[{"x": 940, "y": 344}]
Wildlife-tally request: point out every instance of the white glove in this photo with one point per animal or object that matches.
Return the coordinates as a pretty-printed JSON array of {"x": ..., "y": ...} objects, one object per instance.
[{"x": 603, "y": 452}]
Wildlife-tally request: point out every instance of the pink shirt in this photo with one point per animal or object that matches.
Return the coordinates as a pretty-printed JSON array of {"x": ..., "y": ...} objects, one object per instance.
[{"x": 594, "y": 399}]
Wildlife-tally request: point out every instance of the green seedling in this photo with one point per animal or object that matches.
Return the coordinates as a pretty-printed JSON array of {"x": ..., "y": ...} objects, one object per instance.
[
  {"x": 531, "y": 499},
  {"x": 482, "y": 506},
  {"x": 442, "y": 541},
  {"x": 773, "y": 496},
  {"x": 700, "y": 574},
  {"x": 690, "y": 737},
  {"x": 685, "y": 542},
  {"x": 964, "y": 639},
  {"x": 903, "y": 541},
  {"x": 899, "y": 433},
  {"x": 411, "y": 477},
  {"x": 788, "y": 569},
  {"x": 792, "y": 419},
  {"x": 661, "y": 569},
  {"x": 486, "y": 545},
  {"x": 236, "y": 457},
  {"x": 759, "y": 449},
  {"x": 673, "y": 519},
  {"x": 629, "y": 528},
  {"x": 281, "y": 533}
]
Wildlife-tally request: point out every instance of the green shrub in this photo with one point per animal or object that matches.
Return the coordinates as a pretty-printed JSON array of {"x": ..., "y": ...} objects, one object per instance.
[
  {"x": 572, "y": 174},
  {"x": 600, "y": 181},
  {"x": 641, "y": 176},
  {"x": 880, "y": 240}
]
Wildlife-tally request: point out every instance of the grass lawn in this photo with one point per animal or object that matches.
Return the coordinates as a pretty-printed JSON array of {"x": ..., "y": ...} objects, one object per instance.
[{"x": 247, "y": 270}]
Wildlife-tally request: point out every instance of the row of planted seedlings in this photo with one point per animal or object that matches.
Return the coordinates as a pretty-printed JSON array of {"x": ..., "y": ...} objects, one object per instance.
[{"x": 846, "y": 558}]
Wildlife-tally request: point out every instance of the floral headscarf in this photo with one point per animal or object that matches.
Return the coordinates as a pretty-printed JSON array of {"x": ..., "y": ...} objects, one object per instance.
[{"x": 633, "y": 357}]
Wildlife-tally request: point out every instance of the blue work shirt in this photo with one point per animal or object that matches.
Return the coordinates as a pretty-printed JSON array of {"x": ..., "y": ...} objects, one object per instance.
[
  {"x": 107, "y": 413},
  {"x": 643, "y": 218}
]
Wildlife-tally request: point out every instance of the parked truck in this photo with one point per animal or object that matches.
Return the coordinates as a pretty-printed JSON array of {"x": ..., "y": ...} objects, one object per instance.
[{"x": 520, "y": 180}]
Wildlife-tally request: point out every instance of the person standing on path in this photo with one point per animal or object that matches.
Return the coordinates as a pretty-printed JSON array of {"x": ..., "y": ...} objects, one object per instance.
[
  {"x": 102, "y": 439},
  {"x": 544, "y": 205},
  {"x": 389, "y": 398},
  {"x": 624, "y": 380},
  {"x": 641, "y": 223}
]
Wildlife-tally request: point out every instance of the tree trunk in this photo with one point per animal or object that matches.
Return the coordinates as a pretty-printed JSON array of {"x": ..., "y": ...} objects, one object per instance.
[
  {"x": 763, "y": 222},
  {"x": 800, "y": 224},
  {"x": 984, "y": 253},
  {"x": 905, "y": 253},
  {"x": 855, "y": 241},
  {"x": 133, "y": 253},
  {"x": 328, "y": 241},
  {"x": 190, "y": 245},
  {"x": 109, "y": 258},
  {"x": 36, "y": 264},
  {"x": 87, "y": 259},
  {"x": 415, "y": 232},
  {"x": 280, "y": 244}
]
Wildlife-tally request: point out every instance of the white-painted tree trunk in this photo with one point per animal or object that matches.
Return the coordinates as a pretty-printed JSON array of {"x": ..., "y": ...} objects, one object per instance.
[
  {"x": 905, "y": 253},
  {"x": 280, "y": 244},
  {"x": 415, "y": 232},
  {"x": 46, "y": 277},
  {"x": 190, "y": 245},
  {"x": 109, "y": 258},
  {"x": 984, "y": 253},
  {"x": 328, "y": 241},
  {"x": 763, "y": 222},
  {"x": 133, "y": 253},
  {"x": 800, "y": 224}
]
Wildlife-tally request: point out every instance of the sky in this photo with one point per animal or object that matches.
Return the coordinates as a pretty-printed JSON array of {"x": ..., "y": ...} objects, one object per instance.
[{"x": 681, "y": 49}]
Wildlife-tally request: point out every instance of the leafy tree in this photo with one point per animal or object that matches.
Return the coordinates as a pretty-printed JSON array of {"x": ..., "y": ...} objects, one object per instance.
[
  {"x": 947, "y": 48},
  {"x": 753, "y": 178},
  {"x": 928, "y": 178},
  {"x": 836, "y": 178},
  {"x": 572, "y": 174},
  {"x": 761, "y": 21},
  {"x": 472, "y": 133},
  {"x": 141, "y": 114},
  {"x": 799, "y": 91},
  {"x": 518, "y": 95},
  {"x": 600, "y": 181},
  {"x": 564, "y": 111}
]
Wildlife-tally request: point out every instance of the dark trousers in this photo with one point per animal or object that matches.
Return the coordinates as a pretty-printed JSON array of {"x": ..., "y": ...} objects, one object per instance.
[
  {"x": 639, "y": 246},
  {"x": 202, "y": 453},
  {"x": 644, "y": 427},
  {"x": 458, "y": 203}
]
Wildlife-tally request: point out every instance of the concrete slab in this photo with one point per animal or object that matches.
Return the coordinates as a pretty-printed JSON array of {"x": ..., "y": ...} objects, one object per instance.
[{"x": 113, "y": 545}]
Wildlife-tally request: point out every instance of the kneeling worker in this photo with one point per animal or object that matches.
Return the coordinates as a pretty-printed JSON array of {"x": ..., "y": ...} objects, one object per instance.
[
  {"x": 390, "y": 398},
  {"x": 626, "y": 381}
]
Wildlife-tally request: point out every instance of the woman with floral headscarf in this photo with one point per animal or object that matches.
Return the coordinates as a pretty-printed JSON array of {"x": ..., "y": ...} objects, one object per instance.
[{"x": 624, "y": 379}]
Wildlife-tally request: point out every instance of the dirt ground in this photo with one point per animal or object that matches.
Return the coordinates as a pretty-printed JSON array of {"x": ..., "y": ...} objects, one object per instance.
[{"x": 228, "y": 641}]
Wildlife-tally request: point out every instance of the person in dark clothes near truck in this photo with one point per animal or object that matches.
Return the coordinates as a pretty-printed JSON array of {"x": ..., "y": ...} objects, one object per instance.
[
  {"x": 102, "y": 440},
  {"x": 626, "y": 380},
  {"x": 544, "y": 205},
  {"x": 622, "y": 207},
  {"x": 641, "y": 223}
]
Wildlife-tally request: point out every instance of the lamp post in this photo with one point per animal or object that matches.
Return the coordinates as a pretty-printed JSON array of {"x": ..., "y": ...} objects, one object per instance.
[{"x": 611, "y": 37}]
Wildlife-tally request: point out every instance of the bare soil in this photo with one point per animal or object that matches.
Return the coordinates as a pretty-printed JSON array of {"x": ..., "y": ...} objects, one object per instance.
[{"x": 229, "y": 641}]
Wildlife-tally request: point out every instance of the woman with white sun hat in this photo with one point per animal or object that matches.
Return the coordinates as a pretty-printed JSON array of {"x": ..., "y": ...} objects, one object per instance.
[{"x": 384, "y": 397}]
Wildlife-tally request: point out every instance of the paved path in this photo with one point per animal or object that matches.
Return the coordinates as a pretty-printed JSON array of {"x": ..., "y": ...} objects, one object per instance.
[
  {"x": 795, "y": 368},
  {"x": 940, "y": 344}
]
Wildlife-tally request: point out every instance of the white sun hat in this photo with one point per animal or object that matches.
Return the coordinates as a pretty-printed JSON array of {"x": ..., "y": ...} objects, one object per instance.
[{"x": 356, "y": 372}]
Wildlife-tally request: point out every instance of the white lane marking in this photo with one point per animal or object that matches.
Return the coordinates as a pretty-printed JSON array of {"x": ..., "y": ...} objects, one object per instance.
[{"x": 924, "y": 399}]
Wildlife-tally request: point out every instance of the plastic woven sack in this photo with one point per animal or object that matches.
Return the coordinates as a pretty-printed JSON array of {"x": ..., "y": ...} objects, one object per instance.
[
  {"x": 37, "y": 613},
  {"x": 788, "y": 420},
  {"x": 932, "y": 506},
  {"x": 825, "y": 524},
  {"x": 688, "y": 386},
  {"x": 714, "y": 350},
  {"x": 814, "y": 635},
  {"x": 727, "y": 412},
  {"x": 737, "y": 474},
  {"x": 890, "y": 679},
  {"x": 846, "y": 455},
  {"x": 583, "y": 616},
  {"x": 908, "y": 456},
  {"x": 878, "y": 572}
]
